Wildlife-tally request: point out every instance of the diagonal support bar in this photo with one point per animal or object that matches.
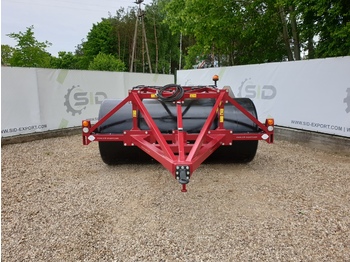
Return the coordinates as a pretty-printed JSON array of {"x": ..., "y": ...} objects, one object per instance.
[
  {"x": 103, "y": 119},
  {"x": 199, "y": 141},
  {"x": 153, "y": 127},
  {"x": 246, "y": 113}
]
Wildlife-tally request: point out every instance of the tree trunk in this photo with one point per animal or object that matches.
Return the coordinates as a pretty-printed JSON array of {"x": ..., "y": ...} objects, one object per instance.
[
  {"x": 180, "y": 58},
  {"x": 156, "y": 43},
  {"x": 146, "y": 45},
  {"x": 143, "y": 49},
  {"x": 285, "y": 34},
  {"x": 295, "y": 33},
  {"x": 119, "y": 46},
  {"x": 134, "y": 46},
  {"x": 310, "y": 47}
]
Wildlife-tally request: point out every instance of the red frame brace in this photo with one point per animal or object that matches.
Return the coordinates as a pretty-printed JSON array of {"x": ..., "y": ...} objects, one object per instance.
[{"x": 178, "y": 155}]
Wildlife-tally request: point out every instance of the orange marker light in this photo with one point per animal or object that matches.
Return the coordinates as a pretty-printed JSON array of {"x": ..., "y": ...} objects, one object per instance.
[
  {"x": 270, "y": 122},
  {"x": 86, "y": 123},
  {"x": 215, "y": 78}
]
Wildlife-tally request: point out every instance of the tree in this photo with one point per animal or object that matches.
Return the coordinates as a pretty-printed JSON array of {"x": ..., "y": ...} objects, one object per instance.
[
  {"x": 65, "y": 60},
  {"x": 229, "y": 32},
  {"x": 164, "y": 45},
  {"x": 101, "y": 38},
  {"x": 333, "y": 27},
  {"x": 290, "y": 27},
  {"x": 29, "y": 52},
  {"x": 319, "y": 28},
  {"x": 104, "y": 62},
  {"x": 6, "y": 54}
]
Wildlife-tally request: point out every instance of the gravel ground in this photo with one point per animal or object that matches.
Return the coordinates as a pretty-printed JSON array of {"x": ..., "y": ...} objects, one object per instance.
[{"x": 61, "y": 203}]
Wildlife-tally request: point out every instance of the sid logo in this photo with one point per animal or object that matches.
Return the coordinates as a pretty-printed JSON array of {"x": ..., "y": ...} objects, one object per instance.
[
  {"x": 266, "y": 92},
  {"x": 77, "y": 99}
]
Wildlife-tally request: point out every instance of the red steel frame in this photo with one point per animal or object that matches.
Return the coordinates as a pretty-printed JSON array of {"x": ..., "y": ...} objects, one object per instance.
[{"x": 178, "y": 154}]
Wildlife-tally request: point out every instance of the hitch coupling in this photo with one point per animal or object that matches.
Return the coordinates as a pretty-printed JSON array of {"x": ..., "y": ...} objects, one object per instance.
[{"x": 183, "y": 174}]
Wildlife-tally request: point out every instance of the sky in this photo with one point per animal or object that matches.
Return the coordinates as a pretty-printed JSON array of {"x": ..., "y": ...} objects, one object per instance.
[{"x": 64, "y": 23}]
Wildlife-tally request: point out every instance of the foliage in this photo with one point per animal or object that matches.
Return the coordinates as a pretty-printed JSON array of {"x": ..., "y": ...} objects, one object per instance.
[
  {"x": 230, "y": 32},
  {"x": 6, "y": 54},
  {"x": 101, "y": 38},
  {"x": 333, "y": 27},
  {"x": 65, "y": 60},
  {"x": 104, "y": 62},
  {"x": 163, "y": 43},
  {"x": 191, "y": 32},
  {"x": 29, "y": 52}
]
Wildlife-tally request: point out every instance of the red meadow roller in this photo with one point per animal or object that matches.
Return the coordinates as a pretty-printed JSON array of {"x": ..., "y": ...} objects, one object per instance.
[{"x": 179, "y": 126}]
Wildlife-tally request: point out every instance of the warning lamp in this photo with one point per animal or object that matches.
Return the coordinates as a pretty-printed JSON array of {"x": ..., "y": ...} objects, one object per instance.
[
  {"x": 86, "y": 126},
  {"x": 270, "y": 122},
  {"x": 215, "y": 79}
]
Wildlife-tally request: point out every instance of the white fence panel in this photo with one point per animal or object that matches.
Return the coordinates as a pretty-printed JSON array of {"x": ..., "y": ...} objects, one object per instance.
[
  {"x": 35, "y": 99},
  {"x": 312, "y": 95},
  {"x": 20, "y": 111}
]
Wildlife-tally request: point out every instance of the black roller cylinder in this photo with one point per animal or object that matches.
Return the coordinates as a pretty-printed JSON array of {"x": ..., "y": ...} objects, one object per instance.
[
  {"x": 240, "y": 151},
  {"x": 113, "y": 153},
  {"x": 195, "y": 113}
]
